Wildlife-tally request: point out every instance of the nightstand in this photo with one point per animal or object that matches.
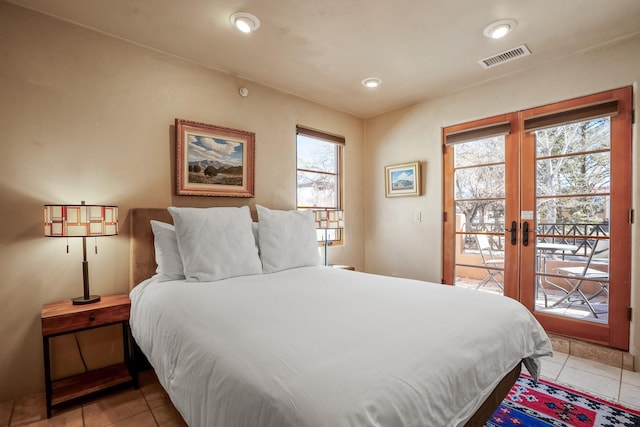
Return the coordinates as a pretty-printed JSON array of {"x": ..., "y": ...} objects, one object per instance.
[{"x": 63, "y": 317}]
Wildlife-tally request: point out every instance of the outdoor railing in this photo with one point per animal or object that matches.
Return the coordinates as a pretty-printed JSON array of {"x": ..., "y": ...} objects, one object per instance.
[
  {"x": 574, "y": 234},
  {"x": 579, "y": 235}
]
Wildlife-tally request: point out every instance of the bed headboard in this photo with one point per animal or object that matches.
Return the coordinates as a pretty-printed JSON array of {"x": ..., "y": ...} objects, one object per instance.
[{"x": 142, "y": 256}]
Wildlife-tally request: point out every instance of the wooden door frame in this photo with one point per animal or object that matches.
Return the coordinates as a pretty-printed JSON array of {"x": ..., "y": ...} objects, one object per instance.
[
  {"x": 519, "y": 279},
  {"x": 511, "y": 208},
  {"x": 616, "y": 332}
]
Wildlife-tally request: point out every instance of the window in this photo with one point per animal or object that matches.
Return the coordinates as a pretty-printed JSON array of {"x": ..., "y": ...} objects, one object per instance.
[{"x": 319, "y": 173}]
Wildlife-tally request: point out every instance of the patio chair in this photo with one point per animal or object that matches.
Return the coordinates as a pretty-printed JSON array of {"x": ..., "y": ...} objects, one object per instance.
[
  {"x": 576, "y": 276},
  {"x": 544, "y": 252},
  {"x": 492, "y": 263}
]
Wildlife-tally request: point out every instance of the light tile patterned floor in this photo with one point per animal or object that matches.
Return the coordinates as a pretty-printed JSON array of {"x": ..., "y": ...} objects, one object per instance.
[
  {"x": 610, "y": 383},
  {"x": 150, "y": 405}
]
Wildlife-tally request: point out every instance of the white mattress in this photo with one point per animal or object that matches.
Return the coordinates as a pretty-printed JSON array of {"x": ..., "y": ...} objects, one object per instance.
[{"x": 319, "y": 346}]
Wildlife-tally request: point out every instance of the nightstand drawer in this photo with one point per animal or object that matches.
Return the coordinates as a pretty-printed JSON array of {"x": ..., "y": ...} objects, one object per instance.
[
  {"x": 63, "y": 317},
  {"x": 83, "y": 320}
]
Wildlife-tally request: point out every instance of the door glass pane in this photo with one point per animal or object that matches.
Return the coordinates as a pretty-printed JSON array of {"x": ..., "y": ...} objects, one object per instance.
[
  {"x": 480, "y": 262},
  {"x": 577, "y": 174},
  {"x": 573, "y": 187},
  {"x": 561, "y": 214},
  {"x": 590, "y": 135},
  {"x": 482, "y": 151},
  {"x": 479, "y": 181},
  {"x": 482, "y": 215}
]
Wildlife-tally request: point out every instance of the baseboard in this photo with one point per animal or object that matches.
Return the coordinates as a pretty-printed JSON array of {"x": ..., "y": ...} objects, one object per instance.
[{"x": 599, "y": 353}]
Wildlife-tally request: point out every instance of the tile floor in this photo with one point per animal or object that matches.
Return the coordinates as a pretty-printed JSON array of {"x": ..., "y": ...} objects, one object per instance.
[
  {"x": 150, "y": 405},
  {"x": 595, "y": 378}
]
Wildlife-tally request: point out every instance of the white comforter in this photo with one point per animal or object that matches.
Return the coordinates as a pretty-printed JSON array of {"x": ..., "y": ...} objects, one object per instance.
[{"x": 318, "y": 346}]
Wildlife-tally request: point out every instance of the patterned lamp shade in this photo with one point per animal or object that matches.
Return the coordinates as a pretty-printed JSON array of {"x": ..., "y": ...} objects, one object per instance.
[
  {"x": 80, "y": 220},
  {"x": 329, "y": 219}
]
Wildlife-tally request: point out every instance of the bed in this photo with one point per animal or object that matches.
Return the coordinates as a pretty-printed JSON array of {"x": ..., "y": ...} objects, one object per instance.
[{"x": 318, "y": 346}]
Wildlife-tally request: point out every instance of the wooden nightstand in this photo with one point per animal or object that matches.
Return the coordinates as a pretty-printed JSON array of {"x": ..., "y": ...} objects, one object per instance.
[{"x": 63, "y": 317}]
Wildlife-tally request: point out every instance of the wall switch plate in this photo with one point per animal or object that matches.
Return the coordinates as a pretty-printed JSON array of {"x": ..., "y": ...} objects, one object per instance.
[{"x": 418, "y": 216}]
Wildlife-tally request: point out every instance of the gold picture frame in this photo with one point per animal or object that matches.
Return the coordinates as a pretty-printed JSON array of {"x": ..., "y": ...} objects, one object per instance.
[
  {"x": 214, "y": 160},
  {"x": 402, "y": 180}
]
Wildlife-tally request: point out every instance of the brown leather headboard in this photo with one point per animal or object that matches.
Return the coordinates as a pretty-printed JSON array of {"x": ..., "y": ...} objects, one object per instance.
[{"x": 142, "y": 256}]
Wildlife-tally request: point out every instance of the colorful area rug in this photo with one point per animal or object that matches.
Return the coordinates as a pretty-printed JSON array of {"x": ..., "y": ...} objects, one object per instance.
[{"x": 531, "y": 404}]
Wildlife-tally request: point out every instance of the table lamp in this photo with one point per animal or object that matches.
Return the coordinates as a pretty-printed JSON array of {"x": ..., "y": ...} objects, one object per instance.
[
  {"x": 328, "y": 219},
  {"x": 81, "y": 221}
]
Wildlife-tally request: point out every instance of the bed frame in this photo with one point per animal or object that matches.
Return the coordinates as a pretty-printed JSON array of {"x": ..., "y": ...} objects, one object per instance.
[{"x": 143, "y": 265}]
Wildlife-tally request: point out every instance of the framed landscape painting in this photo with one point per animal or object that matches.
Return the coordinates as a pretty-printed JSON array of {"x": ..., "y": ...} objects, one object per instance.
[
  {"x": 214, "y": 160},
  {"x": 402, "y": 180}
]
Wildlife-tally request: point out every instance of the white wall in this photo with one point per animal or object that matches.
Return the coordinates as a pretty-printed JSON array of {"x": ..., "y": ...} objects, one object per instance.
[
  {"x": 88, "y": 117},
  {"x": 394, "y": 243}
]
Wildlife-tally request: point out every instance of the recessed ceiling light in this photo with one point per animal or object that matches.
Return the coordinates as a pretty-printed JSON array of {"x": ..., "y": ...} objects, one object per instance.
[
  {"x": 372, "y": 82},
  {"x": 499, "y": 29},
  {"x": 244, "y": 21}
]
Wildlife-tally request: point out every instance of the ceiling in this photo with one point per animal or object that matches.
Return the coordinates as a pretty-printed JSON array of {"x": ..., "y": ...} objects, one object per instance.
[{"x": 322, "y": 49}]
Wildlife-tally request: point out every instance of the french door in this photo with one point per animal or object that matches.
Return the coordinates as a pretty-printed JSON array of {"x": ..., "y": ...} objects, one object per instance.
[{"x": 537, "y": 207}]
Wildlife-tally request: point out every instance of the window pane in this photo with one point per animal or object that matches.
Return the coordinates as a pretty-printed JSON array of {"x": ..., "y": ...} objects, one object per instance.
[
  {"x": 482, "y": 151},
  {"x": 481, "y": 215},
  {"x": 480, "y": 182},
  {"x": 589, "y": 135},
  {"x": 581, "y": 174},
  {"x": 318, "y": 180},
  {"x": 479, "y": 262},
  {"x": 317, "y": 190},
  {"x": 316, "y": 155},
  {"x": 592, "y": 211}
]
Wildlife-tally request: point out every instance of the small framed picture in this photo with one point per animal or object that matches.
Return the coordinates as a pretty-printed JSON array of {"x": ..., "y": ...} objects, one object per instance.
[
  {"x": 402, "y": 180},
  {"x": 214, "y": 160}
]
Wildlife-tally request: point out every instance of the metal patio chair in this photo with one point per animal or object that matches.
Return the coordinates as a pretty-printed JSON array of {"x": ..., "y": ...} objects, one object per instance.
[
  {"x": 492, "y": 263},
  {"x": 577, "y": 276}
]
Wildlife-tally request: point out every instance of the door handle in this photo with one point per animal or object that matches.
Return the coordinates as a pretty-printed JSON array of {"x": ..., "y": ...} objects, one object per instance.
[
  {"x": 525, "y": 234},
  {"x": 514, "y": 232}
]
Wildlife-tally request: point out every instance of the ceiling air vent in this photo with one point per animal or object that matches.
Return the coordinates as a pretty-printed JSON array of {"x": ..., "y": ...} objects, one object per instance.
[{"x": 506, "y": 56}]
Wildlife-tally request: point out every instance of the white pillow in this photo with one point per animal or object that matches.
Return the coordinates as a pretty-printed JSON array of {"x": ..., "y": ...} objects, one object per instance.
[
  {"x": 254, "y": 229},
  {"x": 287, "y": 239},
  {"x": 215, "y": 243},
  {"x": 167, "y": 253}
]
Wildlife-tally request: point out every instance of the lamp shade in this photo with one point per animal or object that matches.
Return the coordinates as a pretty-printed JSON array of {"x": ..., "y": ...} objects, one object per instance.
[
  {"x": 80, "y": 220},
  {"x": 329, "y": 219}
]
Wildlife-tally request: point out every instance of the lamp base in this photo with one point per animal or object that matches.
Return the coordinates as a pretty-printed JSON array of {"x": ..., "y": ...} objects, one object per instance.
[{"x": 83, "y": 300}]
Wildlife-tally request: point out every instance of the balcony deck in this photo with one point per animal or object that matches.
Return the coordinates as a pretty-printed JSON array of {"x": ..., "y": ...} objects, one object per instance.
[{"x": 577, "y": 310}]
